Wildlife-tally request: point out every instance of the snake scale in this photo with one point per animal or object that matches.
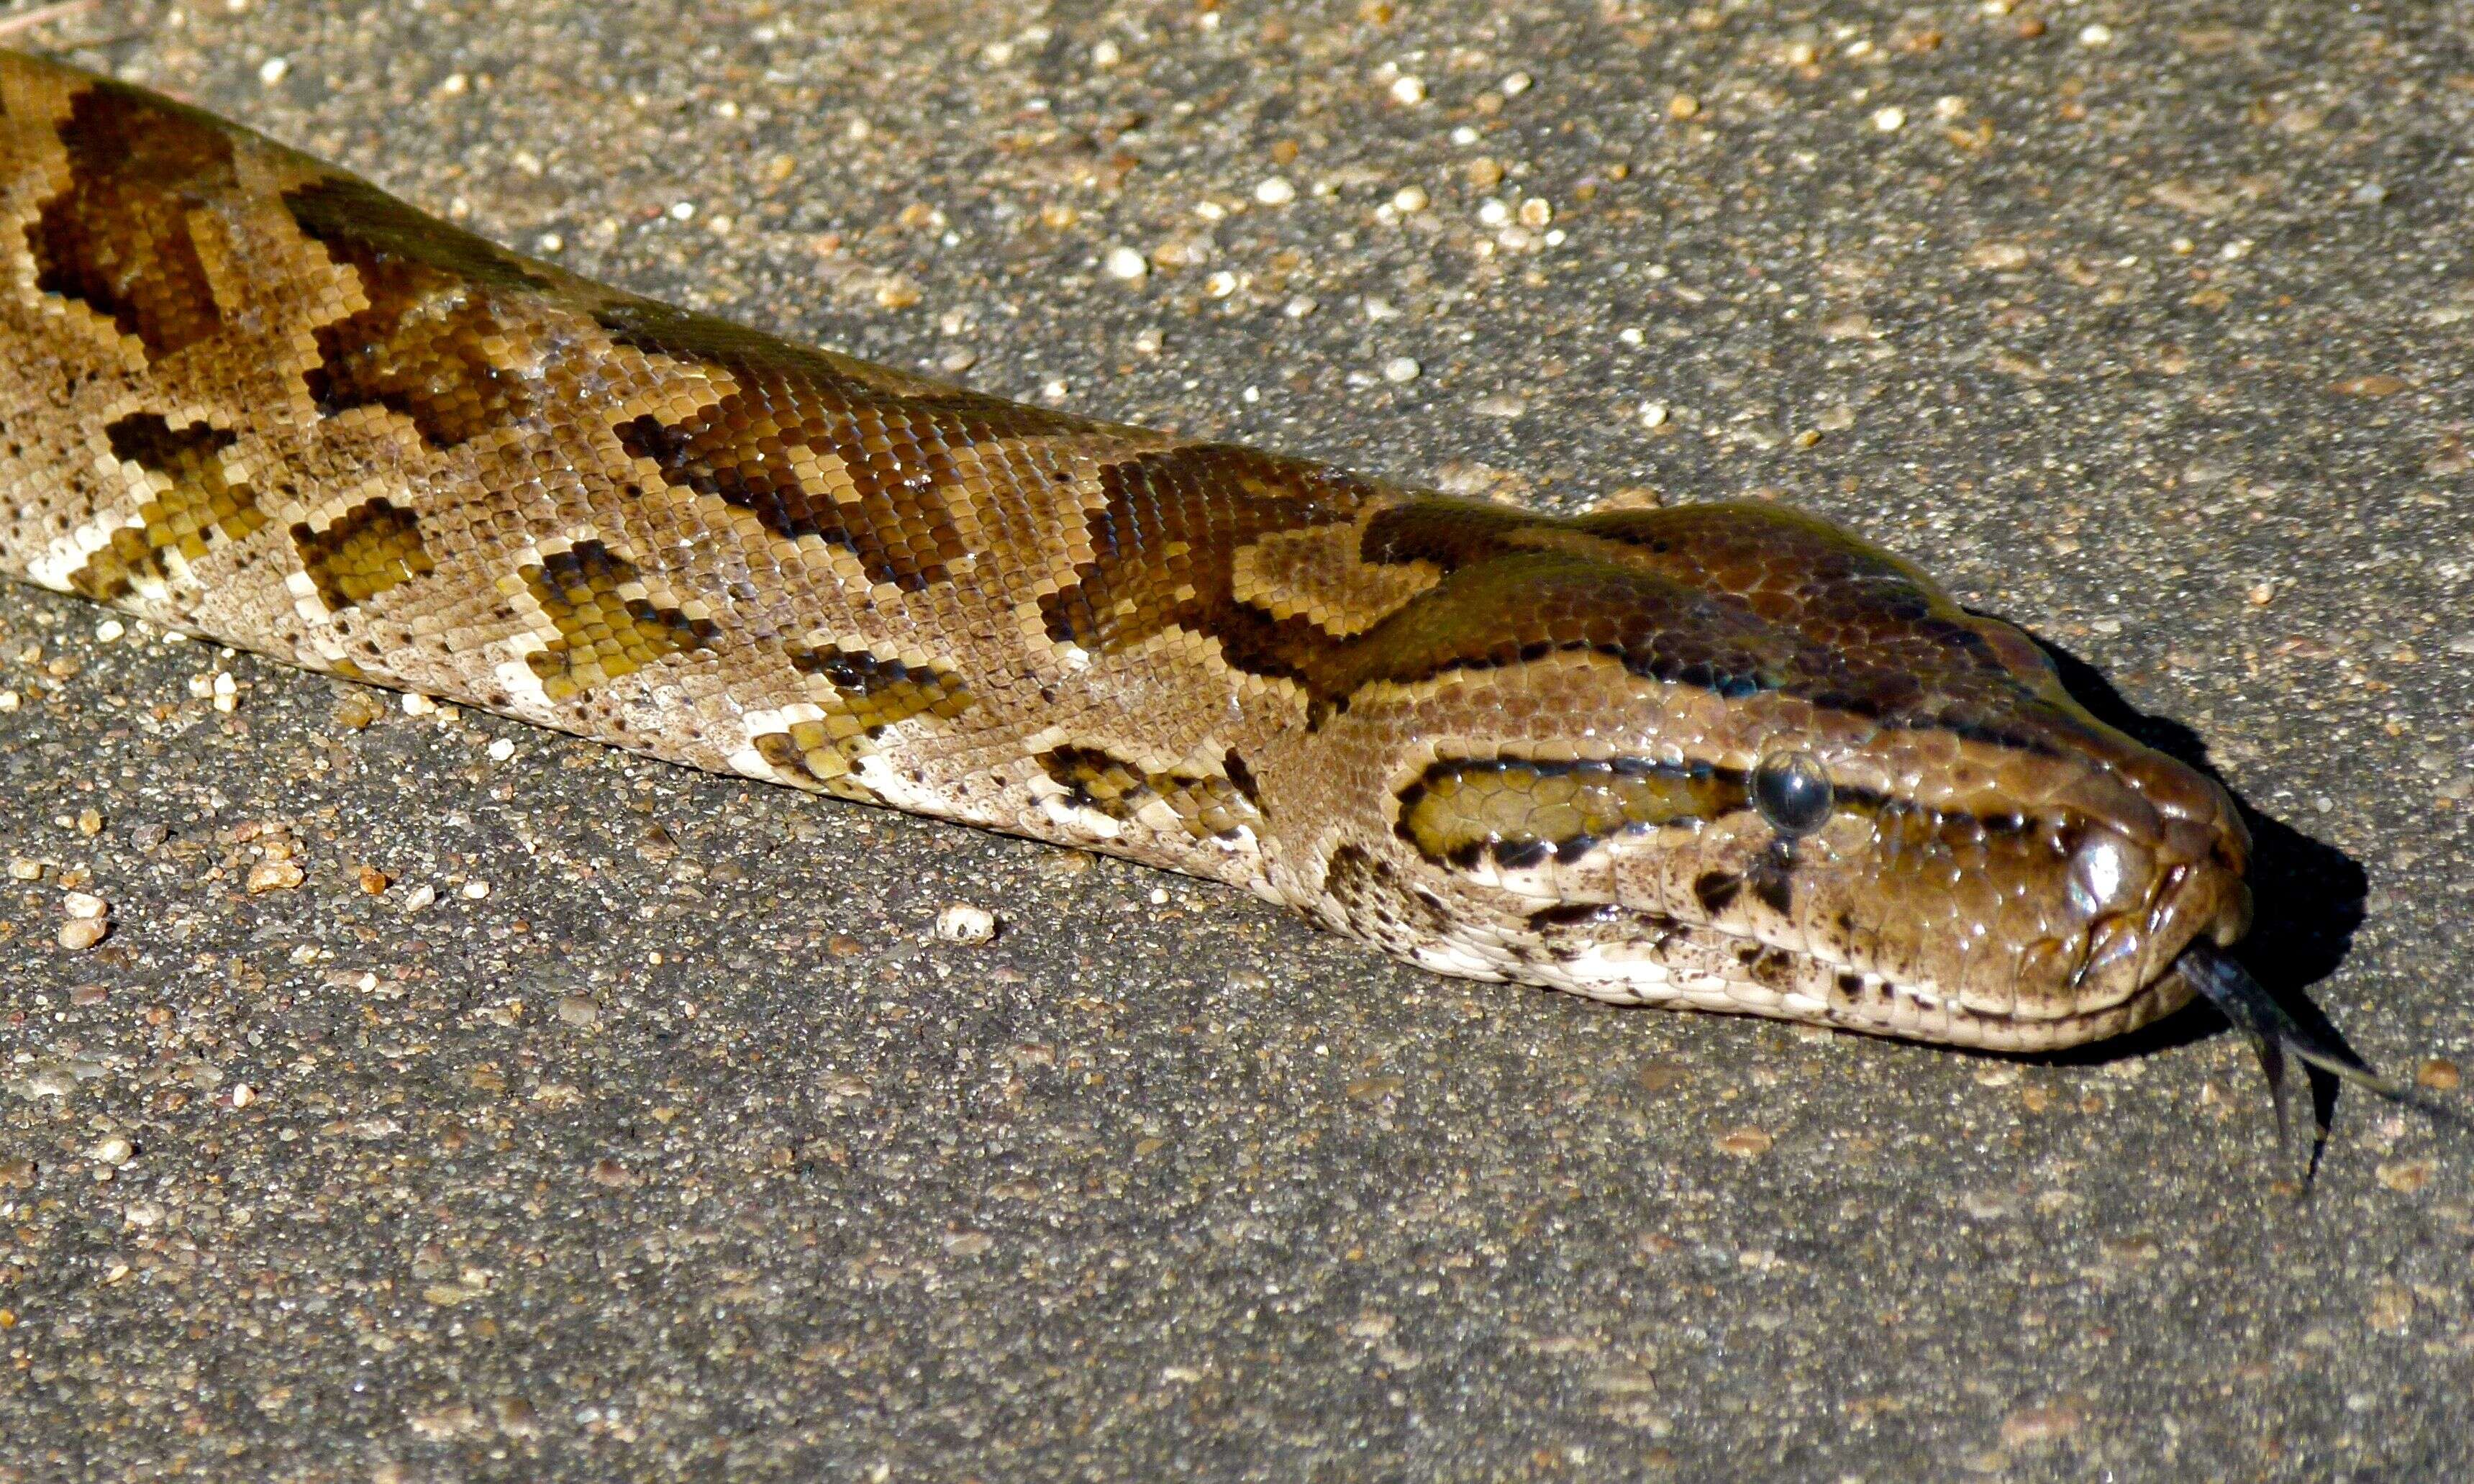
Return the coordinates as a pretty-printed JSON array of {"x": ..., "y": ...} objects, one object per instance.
[{"x": 1720, "y": 756}]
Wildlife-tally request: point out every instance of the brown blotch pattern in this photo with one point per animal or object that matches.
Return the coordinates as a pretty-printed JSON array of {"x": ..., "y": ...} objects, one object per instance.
[
  {"x": 194, "y": 505},
  {"x": 117, "y": 236},
  {"x": 868, "y": 693},
  {"x": 428, "y": 343},
  {"x": 872, "y": 692},
  {"x": 608, "y": 627},
  {"x": 368, "y": 550},
  {"x": 1165, "y": 545},
  {"x": 1208, "y": 804},
  {"x": 813, "y": 451}
]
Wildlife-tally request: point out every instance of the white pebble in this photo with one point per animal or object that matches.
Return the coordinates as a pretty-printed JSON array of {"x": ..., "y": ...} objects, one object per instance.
[
  {"x": 549, "y": 242},
  {"x": 476, "y": 889},
  {"x": 85, "y": 903},
  {"x": 110, "y": 629},
  {"x": 1494, "y": 213},
  {"x": 11, "y": 700},
  {"x": 682, "y": 211},
  {"x": 227, "y": 690},
  {"x": 271, "y": 71},
  {"x": 1054, "y": 389},
  {"x": 963, "y": 923},
  {"x": 419, "y": 898},
  {"x": 1891, "y": 120},
  {"x": 1535, "y": 212},
  {"x": 80, "y": 933},
  {"x": 1401, "y": 369},
  {"x": 1125, "y": 264},
  {"x": 1221, "y": 284},
  {"x": 1516, "y": 83},
  {"x": 1107, "y": 54},
  {"x": 2098, "y": 35},
  {"x": 1652, "y": 414},
  {"x": 1275, "y": 192},
  {"x": 243, "y": 1095},
  {"x": 1408, "y": 90},
  {"x": 114, "y": 1152},
  {"x": 1409, "y": 200},
  {"x": 501, "y": 750},
  {"x": 416, "y": 704}
]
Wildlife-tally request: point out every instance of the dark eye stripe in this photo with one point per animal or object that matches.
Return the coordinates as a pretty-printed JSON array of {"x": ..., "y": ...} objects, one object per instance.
[{"x": 1519, "y": 811}]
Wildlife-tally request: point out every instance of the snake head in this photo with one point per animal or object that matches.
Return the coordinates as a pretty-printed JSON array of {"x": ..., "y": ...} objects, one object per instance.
[{"x": 1729, "y": 756}]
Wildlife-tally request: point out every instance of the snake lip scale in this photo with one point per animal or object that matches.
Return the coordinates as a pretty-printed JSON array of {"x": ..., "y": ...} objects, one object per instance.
[{"x": 1718, "y": 756}]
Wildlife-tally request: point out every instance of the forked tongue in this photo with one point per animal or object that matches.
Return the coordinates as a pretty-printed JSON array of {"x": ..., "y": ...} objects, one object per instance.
[{"x": 2274, "y": 1032}]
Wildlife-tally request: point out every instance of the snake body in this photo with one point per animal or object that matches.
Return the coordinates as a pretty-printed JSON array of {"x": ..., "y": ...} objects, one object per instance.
[{"x": 1721, "y": 756}]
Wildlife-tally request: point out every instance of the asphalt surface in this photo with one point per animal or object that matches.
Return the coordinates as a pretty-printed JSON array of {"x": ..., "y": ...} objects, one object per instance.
[{"x": 641, "y": 1128}]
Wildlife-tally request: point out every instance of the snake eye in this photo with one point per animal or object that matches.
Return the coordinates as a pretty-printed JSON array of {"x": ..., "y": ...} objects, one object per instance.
[{"x": 1792, "y": 792}]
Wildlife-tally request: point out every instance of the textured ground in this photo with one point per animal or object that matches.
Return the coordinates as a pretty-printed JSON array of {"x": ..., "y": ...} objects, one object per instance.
[{"x": 641, "y": 1127}]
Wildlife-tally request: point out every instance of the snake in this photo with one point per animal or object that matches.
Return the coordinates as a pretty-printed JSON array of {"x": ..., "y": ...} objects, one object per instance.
[{"x": 1717, "y": 755}]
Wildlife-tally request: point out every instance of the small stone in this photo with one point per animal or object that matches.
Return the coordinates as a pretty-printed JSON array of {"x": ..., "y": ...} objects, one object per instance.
[
  {"x": 502, "y": 749},
  {"x": 272, "y": 876},
  {"x": 474, "y": 890},
  {"x": 356, "y": 711},
  {"x": 1125, "y": 264},
  {"x": 1891, "y": 120},
  {"x": 2041, "y": 1427},
  {"x": 416, "y": 704},
  {"x": 1408, "y": 91},
  {"x": 1494, "y": 213},
  {"x": 1535, "y": 212},
  {"x": 419, "y": 898},
  {"x": 89, "y": 821},
  {"x": 243, "y": 1095},
  {"x": 2380, "y": 385},
  {"x": 1652, "y": 414},
  {"x": 1514, "y": 84},
  {"x": 372, "y": 881},
  {"x": 2439, "y": 1074},
  {"x": 80, "y": 933},
  {"x": 1745, "y": 1142},
  {"x": 271, "y": 71},
  {"x": 1501, "y": 404},
  {"x": 25, "y": 868},
  {"x": 1275, "y": 192},
  {"x": 2391, "y": 1307},
  {"x": 227, "y": 690},
  {"x": 2407, "y": 1176},
  {"x": 1683, "y": 106},
  {"x": 109, "y": 630},
  {"x": 959, "y": 922},
  {"x": 1410, "y": 200},
  {"x": 1483, "y": 172},
  {"x": 114, "y": 1152},
  {"x": 578, "y": 1011},
  {"x": 2097, "y": 35},
  {"x": 85, "y": 995},
  {"x": 1400, "y": 370},
  {"x": 1998, "y": 256},
  {"x": 84, "y": 905},
  {"x": 10, "y": 701},
  {"x": 968, "y": 1244}
]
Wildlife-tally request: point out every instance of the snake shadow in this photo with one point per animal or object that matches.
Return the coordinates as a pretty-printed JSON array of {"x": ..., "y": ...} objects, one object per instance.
[{"x": 2307, "y": 895}]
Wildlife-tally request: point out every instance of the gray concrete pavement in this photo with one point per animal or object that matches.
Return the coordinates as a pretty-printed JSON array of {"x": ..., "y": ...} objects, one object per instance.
[{"x": 666, "y": 1141}]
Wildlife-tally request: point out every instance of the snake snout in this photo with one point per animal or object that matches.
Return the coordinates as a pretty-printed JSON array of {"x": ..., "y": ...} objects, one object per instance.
[{"x": 2155, "y": 876}]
